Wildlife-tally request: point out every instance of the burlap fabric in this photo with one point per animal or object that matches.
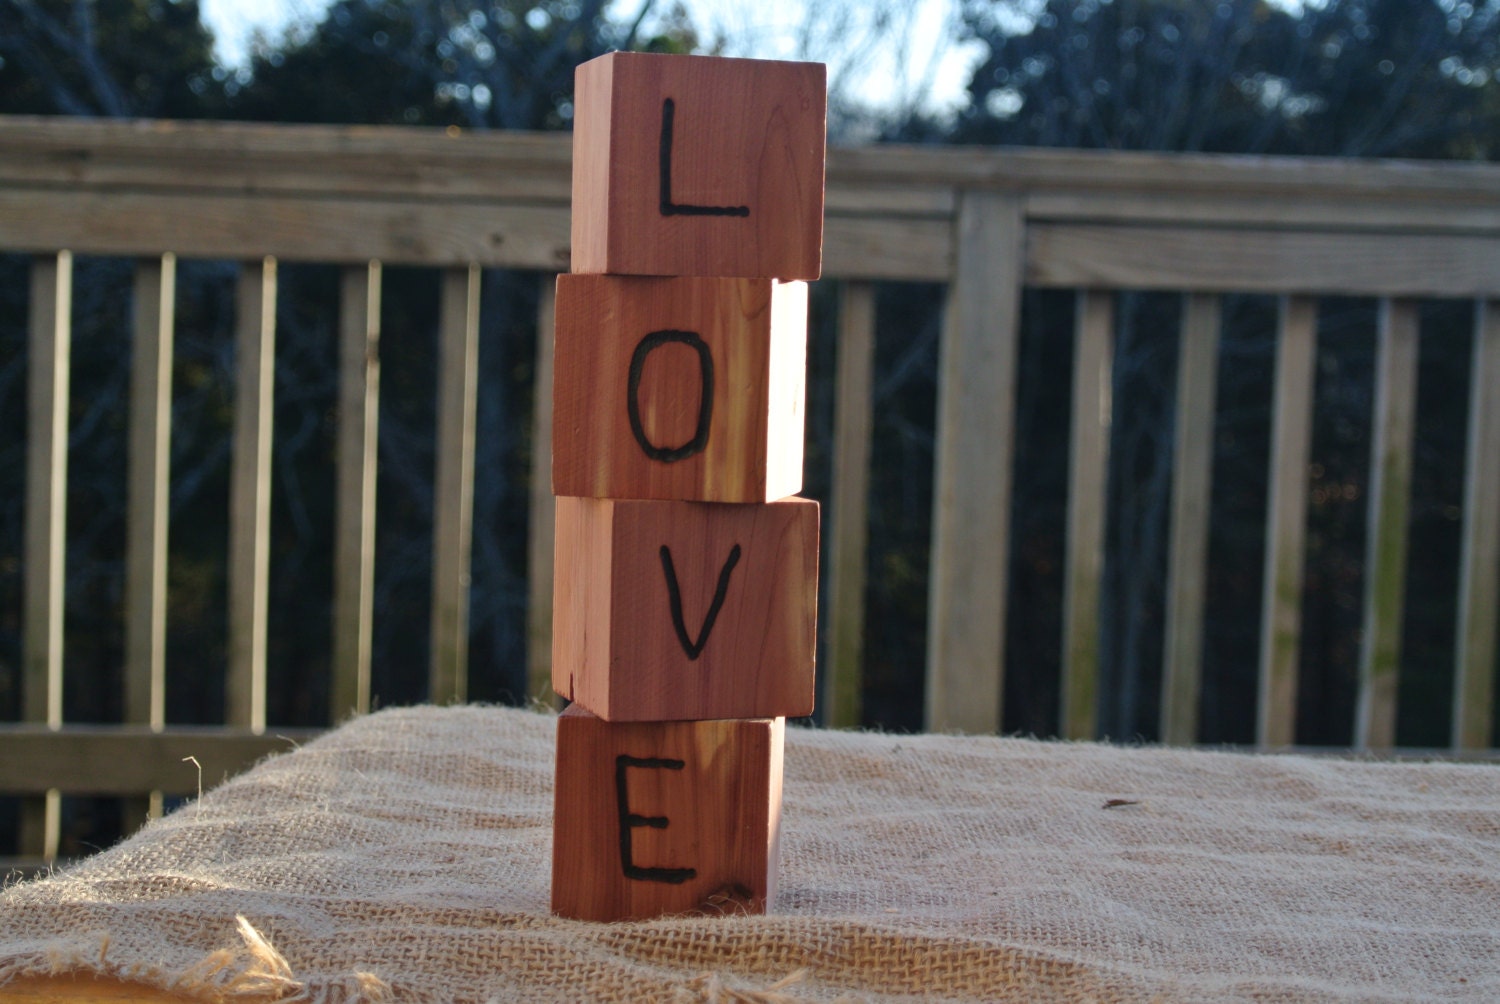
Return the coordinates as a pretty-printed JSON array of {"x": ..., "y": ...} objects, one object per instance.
[{"x": 406, "y": 857}]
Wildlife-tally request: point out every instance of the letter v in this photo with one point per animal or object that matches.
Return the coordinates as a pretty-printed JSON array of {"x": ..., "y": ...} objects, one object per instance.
[{"x": 674, "y": 596}]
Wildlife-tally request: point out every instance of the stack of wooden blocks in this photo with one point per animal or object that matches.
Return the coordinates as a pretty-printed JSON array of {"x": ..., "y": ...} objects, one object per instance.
[{"x": 685, "y": 606}]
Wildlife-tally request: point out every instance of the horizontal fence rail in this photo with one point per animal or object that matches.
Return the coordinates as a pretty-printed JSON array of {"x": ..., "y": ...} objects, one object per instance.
[{"x": 986, "y": 224}]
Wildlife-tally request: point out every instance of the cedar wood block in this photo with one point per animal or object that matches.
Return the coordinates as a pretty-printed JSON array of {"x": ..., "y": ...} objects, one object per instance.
[
  {"x": 752, "y": 333},
  {"x": 722, "y": 812},
  {"x": 616, "y": 646},
  {"x": 745, "y": 133}
]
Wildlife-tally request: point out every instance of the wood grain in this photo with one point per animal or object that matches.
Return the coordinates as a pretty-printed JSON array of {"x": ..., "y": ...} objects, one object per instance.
[
  {"x": 629, "y": 394},
  {"x": 1479, "y": 576},
  {"x": 91, "y": 989},
  {"x": 714, "y": 787},
  {"x": 354, "y": 548},
  {"x": 1088, "y": 486},
  {"x": 618, "y": 647},
  {"x": 49, "y": 348},
  {"x": 1286, "y": 524},
  {"x": 250, "y": 494},
  {"x": 848, "y": 542},
  {"x": 49, "y": 371},
  {"x": 541, "y": 534},
  {"x": 1192, "y": 486},
  {"x": 1386, "y": 539},
  {"x": 453, "y": 485},
  {"x": 669, "y": 149},
  {"x": 71, "y": 154},
  {"x": 148, "y": 493},
  {"x": 1243, "y": 260},
  {"x": 972, "y": 474},
  {"x": 132, "y": 759}
]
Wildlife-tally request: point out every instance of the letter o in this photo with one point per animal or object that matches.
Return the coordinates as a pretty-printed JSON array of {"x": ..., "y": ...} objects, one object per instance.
[{"x": 655, "y": 340}]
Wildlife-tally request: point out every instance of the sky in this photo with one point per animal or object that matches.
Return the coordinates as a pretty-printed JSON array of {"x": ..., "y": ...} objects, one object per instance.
[{"x": 926, "y": 69}]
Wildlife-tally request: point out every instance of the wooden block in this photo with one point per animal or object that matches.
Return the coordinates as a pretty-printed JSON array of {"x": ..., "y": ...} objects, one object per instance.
[
  {"x": 688, "y": 388},
  {"x": 685, "y": 610},
  {"x": 697, "y": 165},
  {"x": 656, "y": 818}
]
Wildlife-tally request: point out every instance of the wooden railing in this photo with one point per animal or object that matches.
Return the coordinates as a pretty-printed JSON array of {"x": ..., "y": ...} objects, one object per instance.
[{"x": 985, "y": 223}]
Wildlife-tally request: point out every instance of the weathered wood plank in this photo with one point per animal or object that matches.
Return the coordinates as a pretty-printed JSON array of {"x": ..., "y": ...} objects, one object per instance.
[
  {"x": 354, "y": 550},
  {"x": 1386, "y": 537},
  {"x": 1479, "y": 578},
  {"x": 453, "y": 495},
  {"x": 148, "y": 499},
  {"x": 132, "y": 759},
  {"x": 49, "y": 343},
  {"x": 519, "y": 165},
  {"x": 973, "y": 470},
  {"x": 1286, "y": 524},
  {"x": 1088, "y": 483},
  {"x": 525, "y": 236},
  {"x": 911, "y": 198},
  {"x": 1176, "y": 175},
  {"x": 1261, "y": 261},
  {"x": 542, "y": 536},
  {"x": 149, "y": 492},
  {"x": 1192, "y": 485},
  {"x": 1295, "y": 209},
  {"x": 285, "y": 158},
  {"x": 399, "y": 231},
  {"x": 912, "y": 250},
  {"x": 250, "y": 494},
  {"x": 849, "y": 532},
  {"x": 49, "y": 350}
]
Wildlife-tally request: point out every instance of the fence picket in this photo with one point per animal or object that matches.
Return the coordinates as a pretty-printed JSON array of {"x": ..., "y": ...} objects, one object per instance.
[
  {"x": 972, "y": 474},
  {"x": 453, "y": 485},
  {"x": 1192, "y": 480},
  {"x": 149, "y": 493},
  {"x": 1386, "y": 538},
  {"x": 541, "y": 537},
  {"x": 1286, "y": 523},
  {"x": 250, "y": 494},
  {"x": 848, "y": 533},
  {"x": 49, "y": 350},
  {"x": 1088, "y": 484},
  {"x": 354, "y": 550},
  {"x": 1479, "y": 582}
]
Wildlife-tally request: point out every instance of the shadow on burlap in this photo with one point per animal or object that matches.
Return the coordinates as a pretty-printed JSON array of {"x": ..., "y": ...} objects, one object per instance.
[{"x": 406, "y": 856}]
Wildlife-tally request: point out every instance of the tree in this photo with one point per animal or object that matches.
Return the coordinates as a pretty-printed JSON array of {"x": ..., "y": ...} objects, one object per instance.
[
  {"x": 1353, "y": 78},
  {"x": 885, "y": 46},
  {"x": 112, "y": 58},
  {"x": 470, "y": 63}
]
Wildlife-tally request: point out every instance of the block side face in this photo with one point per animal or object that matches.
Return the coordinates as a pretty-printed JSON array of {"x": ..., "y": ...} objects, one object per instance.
[
  {"x": 743, "y": 135},
  {"x": 777, "y": 741},
  {"x": 787, "y": 388},
  {"x": 738, "y": 639},
  {"x": 581, "y": 607},
  {"x": 709, "y": 784},
  {"x": 592, "y": 115},
  {"x": 665, "y": 388}
]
